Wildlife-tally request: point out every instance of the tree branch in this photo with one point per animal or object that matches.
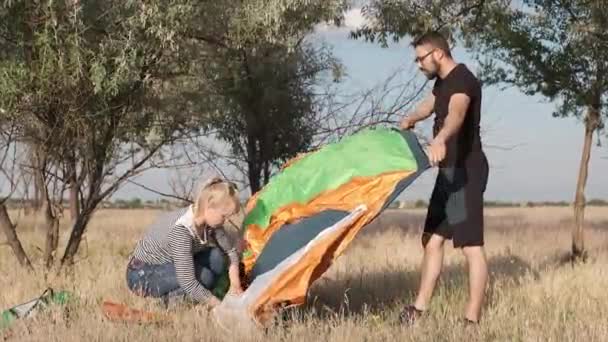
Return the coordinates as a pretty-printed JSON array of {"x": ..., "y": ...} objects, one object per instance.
[
  {"x": 132, "y": 170},
  {"x": 159, "y": 192}
]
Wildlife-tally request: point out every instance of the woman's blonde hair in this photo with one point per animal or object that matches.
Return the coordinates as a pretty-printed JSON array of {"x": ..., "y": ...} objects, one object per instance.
[{"x": 216, "y": 192}]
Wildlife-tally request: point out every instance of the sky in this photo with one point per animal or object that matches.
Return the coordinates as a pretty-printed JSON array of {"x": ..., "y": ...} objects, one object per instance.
[{"x": 532, "y": 156}]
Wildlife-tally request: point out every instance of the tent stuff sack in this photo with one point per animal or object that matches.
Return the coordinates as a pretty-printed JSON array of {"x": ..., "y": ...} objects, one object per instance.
[
  {"x": 309, "y": 212},
  {"x": 34, "y": 306}
]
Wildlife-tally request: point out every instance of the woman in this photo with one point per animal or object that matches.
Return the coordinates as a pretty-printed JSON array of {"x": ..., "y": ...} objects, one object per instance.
[{"x": 184, "y": 254}]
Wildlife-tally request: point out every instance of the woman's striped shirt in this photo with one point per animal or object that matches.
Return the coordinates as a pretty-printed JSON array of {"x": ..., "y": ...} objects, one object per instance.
[{"x": 173, "y": 239}]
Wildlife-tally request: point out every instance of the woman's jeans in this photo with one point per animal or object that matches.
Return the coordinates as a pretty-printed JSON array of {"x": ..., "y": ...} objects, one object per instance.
[{"x": 161, "y": 281}]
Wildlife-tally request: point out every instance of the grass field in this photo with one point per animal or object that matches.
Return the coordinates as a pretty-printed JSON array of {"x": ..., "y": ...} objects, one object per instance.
[{"x": 533, "y": 295}]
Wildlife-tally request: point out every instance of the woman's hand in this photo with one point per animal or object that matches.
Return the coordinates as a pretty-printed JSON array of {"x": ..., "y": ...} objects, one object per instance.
[
  {"x": 213, "y": 302},
  {"x": 235, "y": 289},
  {"x": 235, "y": 280}
]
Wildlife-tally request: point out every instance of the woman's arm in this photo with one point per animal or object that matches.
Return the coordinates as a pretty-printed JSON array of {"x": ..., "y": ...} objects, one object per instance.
[
  {"x": 180, "y": 247},
  {"x": 230, "y": 248}
]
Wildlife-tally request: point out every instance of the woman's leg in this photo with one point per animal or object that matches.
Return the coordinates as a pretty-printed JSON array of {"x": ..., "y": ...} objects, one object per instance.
[
  {"x": 209, "y": 265},
  {"x": 161, "y": 280},
  {"x": 152, "y": 280}
]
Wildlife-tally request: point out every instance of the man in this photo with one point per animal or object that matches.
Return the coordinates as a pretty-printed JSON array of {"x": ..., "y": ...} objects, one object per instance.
[{"x": 456, "y": 207}]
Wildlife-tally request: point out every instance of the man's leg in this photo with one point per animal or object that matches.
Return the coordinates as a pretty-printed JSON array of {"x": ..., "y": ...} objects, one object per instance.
[
  {"x": 436, "y": 231},
  {"x": 470, "y": 237},
  {"x": 431, "y": 269},
  {"x": 478, "y": 279}
]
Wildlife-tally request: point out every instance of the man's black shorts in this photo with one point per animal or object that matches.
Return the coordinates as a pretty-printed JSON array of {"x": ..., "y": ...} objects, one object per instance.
[{"x": 456, "y": 206}]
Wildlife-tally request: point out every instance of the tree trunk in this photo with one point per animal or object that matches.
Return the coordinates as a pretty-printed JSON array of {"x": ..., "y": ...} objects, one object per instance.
[
  {"x": 578, "y": 240},
  {"x": 37, "y": 203},
  {"x": 266, "y": 172},
  {"x": 74, "y": 202},
  {"x": 51, "y": 225},
  {"x": 254, "y": 177},
  {"x": 13, "y": 240},
  {"x": 78, "y": 229},
  {"x": 38, "y": 166},
  {"x": 26, "y": 200},
  {"x": 73, "y": 184},
  {"x": 253, "y": 165}
]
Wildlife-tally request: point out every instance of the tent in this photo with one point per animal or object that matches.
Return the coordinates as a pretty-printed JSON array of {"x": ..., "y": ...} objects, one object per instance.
[{"x": 309, "y": 212}]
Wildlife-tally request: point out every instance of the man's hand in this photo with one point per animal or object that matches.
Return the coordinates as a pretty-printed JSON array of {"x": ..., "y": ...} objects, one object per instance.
[
  {"x": 407, "y": 123},
  {"x": 436, "y": 151},
  {"x": 457, "y": 111}
]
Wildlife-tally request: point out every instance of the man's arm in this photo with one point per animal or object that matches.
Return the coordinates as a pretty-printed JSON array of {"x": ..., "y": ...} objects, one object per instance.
[
  {"x": 422, "y": 111},
  {"x": 457, "y": 110}
]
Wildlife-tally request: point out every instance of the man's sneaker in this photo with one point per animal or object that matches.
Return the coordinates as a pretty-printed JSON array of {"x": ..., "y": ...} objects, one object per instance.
[{"x": 410, "y": 314}]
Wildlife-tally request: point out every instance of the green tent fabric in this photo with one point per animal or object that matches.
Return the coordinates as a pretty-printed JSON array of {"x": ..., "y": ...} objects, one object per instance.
[
  {"x": 302, "y": 220},
  {"x": 361, "y": 149}
]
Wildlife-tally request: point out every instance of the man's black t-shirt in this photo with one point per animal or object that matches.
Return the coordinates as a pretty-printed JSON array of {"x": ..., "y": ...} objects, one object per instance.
[{"x": 464, "y": 148}]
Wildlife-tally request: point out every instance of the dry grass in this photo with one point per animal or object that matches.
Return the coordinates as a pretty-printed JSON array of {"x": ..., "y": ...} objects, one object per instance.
[{"x": 532, "y": 296}]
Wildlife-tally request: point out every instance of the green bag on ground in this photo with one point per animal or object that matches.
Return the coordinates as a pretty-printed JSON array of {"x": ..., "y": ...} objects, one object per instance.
[{"x": 33, "y": 306}]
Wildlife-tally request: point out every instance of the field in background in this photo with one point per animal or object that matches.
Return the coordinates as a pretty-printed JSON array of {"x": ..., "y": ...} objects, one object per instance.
[{"x": 533, "y": 295}]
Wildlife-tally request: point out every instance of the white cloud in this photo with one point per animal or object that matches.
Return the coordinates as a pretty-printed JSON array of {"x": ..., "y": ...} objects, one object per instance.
[{"x": 353, "y": 19}]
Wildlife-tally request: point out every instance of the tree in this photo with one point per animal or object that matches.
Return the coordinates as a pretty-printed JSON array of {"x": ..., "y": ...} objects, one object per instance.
[
  {"x": 79, "y": 79},
  {"x": 98, "y": 90},
  {"x": 557, "y": 49},
  {"x": 9, "y": 169},
  {"x": 267, "y": 111},
  {"x": 259, "y": 76},
  {"x": 270, "y": 85}
]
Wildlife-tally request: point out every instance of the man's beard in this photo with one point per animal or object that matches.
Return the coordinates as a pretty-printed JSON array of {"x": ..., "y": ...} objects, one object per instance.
[{"x": 430, "y": 75}]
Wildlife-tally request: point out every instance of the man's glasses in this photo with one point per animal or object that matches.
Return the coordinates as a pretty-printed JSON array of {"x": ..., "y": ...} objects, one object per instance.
[{"x": 420, "y": 59}]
